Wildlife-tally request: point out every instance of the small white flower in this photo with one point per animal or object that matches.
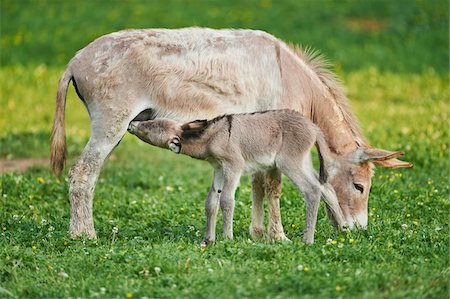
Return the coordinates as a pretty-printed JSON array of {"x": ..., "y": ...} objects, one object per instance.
[
  {"x": 210, "y": 270},
  {"x": 340, "y": 245},
  {"x": 15, "y": 217},
  {"x": 63, "y": 274},
  {"x": 404, "y": 226},
  {"x": 115, "y": 230},
  {"x": 102, "y": 291},
  {"x": 300, "y": 267},
  {"x": 157, "y": 270}
]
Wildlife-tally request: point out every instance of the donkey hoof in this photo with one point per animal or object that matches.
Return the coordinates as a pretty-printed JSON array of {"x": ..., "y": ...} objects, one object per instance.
[
  {"x": 257, "y": 233},
  {"x": 308, "y": 241},
  {"x": 279, "y": 237},
  {"x": 82, "y": 234},
  {"x": 206, "y": 243}
]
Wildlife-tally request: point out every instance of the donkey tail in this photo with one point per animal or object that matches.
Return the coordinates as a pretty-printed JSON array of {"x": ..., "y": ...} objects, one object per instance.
[
  {"x": 325, "y": 156},
  {"x": 58, "y": 139}
]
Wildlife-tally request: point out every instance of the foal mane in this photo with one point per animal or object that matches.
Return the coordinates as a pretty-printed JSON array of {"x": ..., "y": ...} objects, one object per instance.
[{"x": 322, "y": 68}]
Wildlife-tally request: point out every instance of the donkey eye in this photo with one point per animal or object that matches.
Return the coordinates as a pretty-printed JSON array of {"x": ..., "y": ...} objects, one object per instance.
[{"x": 359, "y": 187}]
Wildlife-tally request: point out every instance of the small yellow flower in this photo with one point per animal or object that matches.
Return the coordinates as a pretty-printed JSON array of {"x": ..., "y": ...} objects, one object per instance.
[
  {"x": 408, "y": 215},
  {"x": 4, "y": 228},
  {"x": 342, "y": 240},
  {"x": 193, "y": 215},
  {"x": 333, "y": 242},
  {"x": 306, "y": 269},
  {"x": 130, "y": 295},
  {"x": 415, "y": 223},
  {"x": 395, "y": 191},
  {"x": 40, "y": 180},
  {"x": 351, "y": 241},
  {"x": 293, "y": 225},
  {"x": 338, "y": 288},
  {"x": 66, "y": 243},
  {"x": 33, "y": 247}
]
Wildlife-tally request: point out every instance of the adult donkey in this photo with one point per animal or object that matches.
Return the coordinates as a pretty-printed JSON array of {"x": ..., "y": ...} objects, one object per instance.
[{"x": 197, "y": 73}]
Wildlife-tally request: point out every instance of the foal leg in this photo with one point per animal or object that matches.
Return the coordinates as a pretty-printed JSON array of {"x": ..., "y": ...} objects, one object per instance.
[
  {"x": 106, "y": 134},
  {"x": 211, "y": 208},
  {"x": 231, "y": 181},
  {"x": 310, "y": 187},
  {"x": 258, "y": 193},
  {"x": 273, "y": 191}
]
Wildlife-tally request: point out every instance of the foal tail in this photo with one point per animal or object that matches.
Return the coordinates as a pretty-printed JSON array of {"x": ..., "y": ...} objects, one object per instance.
[
  {"x": 325, "y": 156},
  {"x": 58, "y": 139}
]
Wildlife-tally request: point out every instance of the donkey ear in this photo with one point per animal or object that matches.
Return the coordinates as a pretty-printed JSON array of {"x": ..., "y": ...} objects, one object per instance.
[
  {"x": 175, "y": 144},
  {"x": 381, "y": 157},
  {"x": 393, "y": 163}
]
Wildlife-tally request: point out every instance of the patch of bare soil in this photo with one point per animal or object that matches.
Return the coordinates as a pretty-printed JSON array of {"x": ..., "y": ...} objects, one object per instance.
[{"x": 20, "y": 165}]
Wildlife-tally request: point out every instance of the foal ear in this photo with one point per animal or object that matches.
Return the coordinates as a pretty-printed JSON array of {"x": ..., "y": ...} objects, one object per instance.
[
  {"x": 175, "y": 144},
  {"x": 380, "y": 157}
]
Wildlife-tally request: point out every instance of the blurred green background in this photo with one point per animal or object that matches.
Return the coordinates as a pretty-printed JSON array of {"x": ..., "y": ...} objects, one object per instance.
[{"x": 400, "y": 36}]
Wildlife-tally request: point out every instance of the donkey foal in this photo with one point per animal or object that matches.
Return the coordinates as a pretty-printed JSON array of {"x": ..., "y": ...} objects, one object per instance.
[{"x": 235, "y": 144}]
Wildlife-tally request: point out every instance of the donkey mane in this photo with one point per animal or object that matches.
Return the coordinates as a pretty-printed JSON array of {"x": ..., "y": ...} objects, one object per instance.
[{"x": 322, "y": 68}]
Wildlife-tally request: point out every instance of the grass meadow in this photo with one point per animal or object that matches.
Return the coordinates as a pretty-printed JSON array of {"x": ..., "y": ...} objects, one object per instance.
[{"x": 392, "y": 56}]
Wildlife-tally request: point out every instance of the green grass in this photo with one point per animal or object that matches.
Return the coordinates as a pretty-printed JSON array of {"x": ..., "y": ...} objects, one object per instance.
[{"x": 149, "y": 211}]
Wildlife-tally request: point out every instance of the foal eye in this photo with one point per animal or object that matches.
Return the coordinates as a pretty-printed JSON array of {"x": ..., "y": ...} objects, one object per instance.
[{"x": 359, "y": 187}]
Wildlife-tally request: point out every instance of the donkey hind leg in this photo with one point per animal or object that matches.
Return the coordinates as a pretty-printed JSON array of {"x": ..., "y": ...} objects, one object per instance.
[
  {"x": 258, "y": 194},
  {"x": 273, "y": 192},
  {"x": 211, "y": 208},
  {"x": 106, "y": 134}
]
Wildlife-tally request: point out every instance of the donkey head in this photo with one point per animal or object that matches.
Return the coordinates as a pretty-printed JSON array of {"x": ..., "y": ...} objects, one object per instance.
[
  {"x": 159, "y": 132},
  {"x": 352, "y": 180}
]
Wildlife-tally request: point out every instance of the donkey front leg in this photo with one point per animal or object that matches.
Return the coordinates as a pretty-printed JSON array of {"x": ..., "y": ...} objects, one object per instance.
[
  {"x": 332, "y": 206},
  {"x": 231, "y": 181},
  {"x": 211, "y": 208},
  {"x": 309, "y": 186}
]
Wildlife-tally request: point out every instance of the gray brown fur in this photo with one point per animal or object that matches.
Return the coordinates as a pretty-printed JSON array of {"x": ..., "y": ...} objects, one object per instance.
[
  {"x": 196, "y": 73},
  {"x": 249, "y": 143}
]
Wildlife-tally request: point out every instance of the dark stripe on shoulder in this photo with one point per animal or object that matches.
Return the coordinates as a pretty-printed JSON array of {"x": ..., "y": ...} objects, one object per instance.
[{"x": 229, "y": 119}]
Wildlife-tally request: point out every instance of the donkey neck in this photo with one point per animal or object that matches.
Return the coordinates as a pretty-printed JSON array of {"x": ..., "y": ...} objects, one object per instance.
[
  {"x": 307, "y": 81},
  {"x": 342, "y": 134}
]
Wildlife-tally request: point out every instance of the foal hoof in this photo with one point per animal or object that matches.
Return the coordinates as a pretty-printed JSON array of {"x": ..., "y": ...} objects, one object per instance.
[
  {"x": 205, "y": 243},
  {"x": 279, "y": 238}
]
